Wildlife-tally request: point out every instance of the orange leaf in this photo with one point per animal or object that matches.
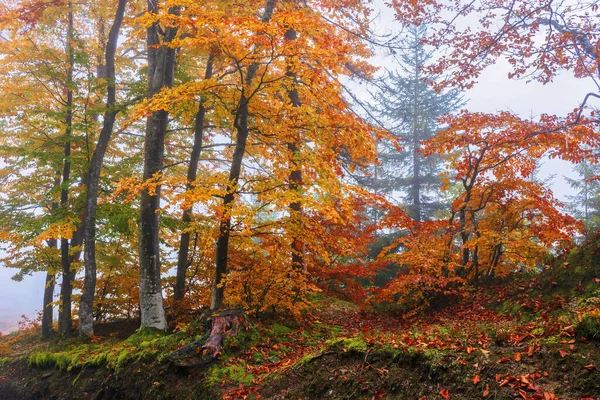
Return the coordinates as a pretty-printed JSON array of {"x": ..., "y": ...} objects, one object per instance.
[
  {"x": 563, "y": 353},
  {"x": 590, "y": 367},
  {"x": 517, "y": 356},
  {"x": 476, "y": 379},
  {"x": 503, "y": 359},
  {"x": 444, "y": 393},
  {"x": 486, "y": 392}
]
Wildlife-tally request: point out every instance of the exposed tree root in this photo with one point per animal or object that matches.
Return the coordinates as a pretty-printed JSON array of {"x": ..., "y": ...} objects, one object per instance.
[{"x": 219, "y": 326}]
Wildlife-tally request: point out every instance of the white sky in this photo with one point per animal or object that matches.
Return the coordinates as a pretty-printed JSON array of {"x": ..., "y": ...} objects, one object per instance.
[{"x": 493, "y": 92}]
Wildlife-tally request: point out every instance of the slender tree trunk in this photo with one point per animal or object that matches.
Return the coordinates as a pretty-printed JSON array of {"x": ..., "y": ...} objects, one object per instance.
[
  {"x": 47, "y": 309},
  {"x": 184, "y": 243},
  {"x": 295, "y": 177},
  {"x": 65, "y": 322},
  {"x": 416, "y": 183},
  {"x": 161, "y": 69},
  {"x": 86, "y": 317},
  {"x": 241, "y": 126}
]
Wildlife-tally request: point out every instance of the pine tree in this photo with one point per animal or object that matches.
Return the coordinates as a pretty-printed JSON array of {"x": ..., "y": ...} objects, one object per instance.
[
  {"x": 585, "y": 203},
  {"x": 409, "y": 106}
]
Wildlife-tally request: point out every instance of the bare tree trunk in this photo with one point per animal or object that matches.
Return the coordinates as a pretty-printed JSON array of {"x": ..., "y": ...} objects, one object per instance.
[
  {"x": 161, "y": 69},
  {"x": 184, "y": 243},
  {"x": 241, "y": 125},
  {"x": 86, "y": 317},
  {"x": 47, "y": 309},
  {"x": 65, "y": 322}
]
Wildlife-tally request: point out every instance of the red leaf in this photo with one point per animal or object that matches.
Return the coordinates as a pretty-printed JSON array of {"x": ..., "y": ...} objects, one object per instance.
[
  {"x": 563, "y": 353},
  {"x": 444, "y": 393},
  {"x": 517, "y": 357},
  {"x": 503, "y": 359},
  {"x": 476, "y": 379},
  {"x": 486, "y": 392}
]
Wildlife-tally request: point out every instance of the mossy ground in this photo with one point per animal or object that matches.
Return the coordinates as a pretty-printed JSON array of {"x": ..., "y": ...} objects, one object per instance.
[{"x": 537, "y": 330}]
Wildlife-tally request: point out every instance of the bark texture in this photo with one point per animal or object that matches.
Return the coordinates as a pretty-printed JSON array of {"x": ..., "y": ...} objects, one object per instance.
[
  {"x": 65, "y": 323},
  {"x": 161, "y": 68},
  {"x": 86, "y": 316},
  {"x": 295, "y": 177},
  {"x": 220, "y": 325}
]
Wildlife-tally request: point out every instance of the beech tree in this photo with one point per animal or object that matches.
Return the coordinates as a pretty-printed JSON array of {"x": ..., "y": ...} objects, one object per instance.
[
  {"x": 161, "y": 69},
  {"x": 93, "y": 177}
]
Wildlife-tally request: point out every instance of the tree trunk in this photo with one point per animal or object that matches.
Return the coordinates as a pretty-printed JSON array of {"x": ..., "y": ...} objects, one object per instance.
[
  {"x": 221, "y": 325},
  {"x": 47, "y": 309},
  {"x": 65, "y": 322},
  {"x": 295, "y": 177},
  {"x": 161, "y": 69},
  {"x": 241, "y": 126},
  {"x": 184, "y": 244},
  {"x": 86, "y": 317},
  {"x": 416, "y": 182}
]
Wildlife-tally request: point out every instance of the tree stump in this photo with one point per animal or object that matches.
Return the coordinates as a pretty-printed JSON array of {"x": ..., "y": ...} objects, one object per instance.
[{"x": 220, "y": 325}]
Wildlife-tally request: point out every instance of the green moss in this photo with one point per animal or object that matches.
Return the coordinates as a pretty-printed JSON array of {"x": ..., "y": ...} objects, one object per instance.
[
  {"x": 538, "y": 331},
  {"x": 589, "y": 328},
  {"x": 4, "y": 361},
  {"x": 257, "y": 357},
  {"x": 235, "y": 374},
  {"x": 144, "y": 335},
  {"x": 352, "y": 345},
  {"x": 42, "y": 360},
  {"x": 281, "y": 329}
]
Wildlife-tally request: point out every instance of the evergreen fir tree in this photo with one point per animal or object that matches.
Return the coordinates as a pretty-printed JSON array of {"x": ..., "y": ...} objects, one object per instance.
[
  {"x": 410, "y": 107},
  {"x": 585, "y": 203}
]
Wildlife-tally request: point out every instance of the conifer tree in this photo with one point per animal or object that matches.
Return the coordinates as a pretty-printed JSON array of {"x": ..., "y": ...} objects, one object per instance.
[{"x": 406, "y": 103}]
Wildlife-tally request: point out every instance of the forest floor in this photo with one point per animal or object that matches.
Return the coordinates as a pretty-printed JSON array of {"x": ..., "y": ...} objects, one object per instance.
[{"x": 537, "y": 338}]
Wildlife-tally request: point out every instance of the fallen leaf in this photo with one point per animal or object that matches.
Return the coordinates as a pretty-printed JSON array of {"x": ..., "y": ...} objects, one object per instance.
[
  {"x": 445, "y": 394},
  {"x": 590, "y": 367},
  {"x": 476, "y": 379},
  {"x": 503, "y": 359},
  {"x": 486, "y": 392},
  {"x": 563, "y": 353},
  {"x": 517, "y": 356}
]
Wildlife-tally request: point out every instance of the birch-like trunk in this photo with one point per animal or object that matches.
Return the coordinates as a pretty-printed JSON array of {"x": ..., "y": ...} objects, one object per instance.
[
  {"x": 86, "y": 316},
  {"x": 161, "y": 69}
]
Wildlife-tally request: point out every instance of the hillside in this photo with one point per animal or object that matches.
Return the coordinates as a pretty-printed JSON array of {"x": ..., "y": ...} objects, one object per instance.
[{"x": 536, "y": 338}]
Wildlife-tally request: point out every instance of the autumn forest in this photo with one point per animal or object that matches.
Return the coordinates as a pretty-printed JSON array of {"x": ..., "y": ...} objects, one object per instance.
[{"x": 238, "y": 192}]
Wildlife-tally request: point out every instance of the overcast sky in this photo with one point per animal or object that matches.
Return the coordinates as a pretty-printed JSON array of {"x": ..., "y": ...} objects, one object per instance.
[{"x": 493, "y": 92}]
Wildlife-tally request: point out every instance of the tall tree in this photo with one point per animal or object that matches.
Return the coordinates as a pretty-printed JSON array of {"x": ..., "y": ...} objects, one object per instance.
[
  {"x": 192, "y": 173},
  {"x": 242, "y": 128},
  {"x": 161, "y": 69},
  {"x": 86, "y": 318},
  {"x": 65, "y": 321},
  {"x": 408, "y": 104}
]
